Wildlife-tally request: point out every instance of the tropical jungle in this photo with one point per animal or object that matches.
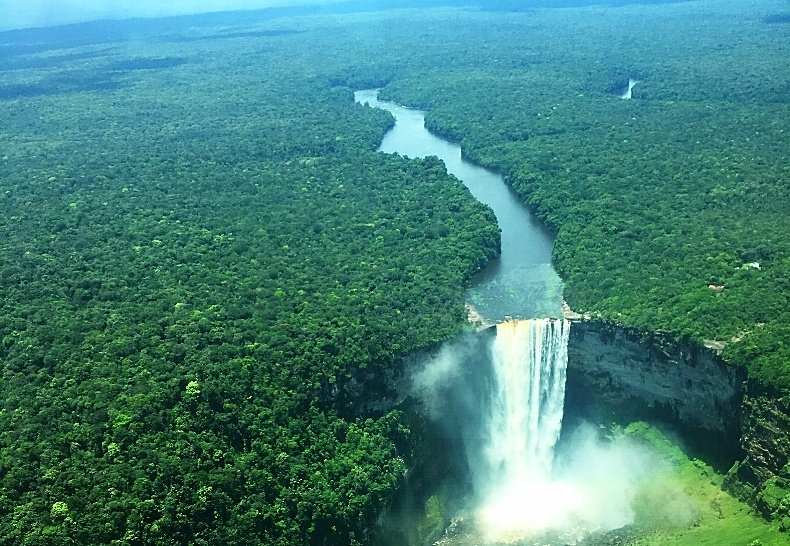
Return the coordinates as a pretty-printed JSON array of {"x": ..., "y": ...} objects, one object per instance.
[{"x": 204, "y": 262}]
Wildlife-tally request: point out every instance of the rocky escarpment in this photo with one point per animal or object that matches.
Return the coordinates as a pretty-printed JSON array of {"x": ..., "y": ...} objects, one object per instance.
[
  {"x": 763, "y": 477},
  {"x": 616, "y": 374}
]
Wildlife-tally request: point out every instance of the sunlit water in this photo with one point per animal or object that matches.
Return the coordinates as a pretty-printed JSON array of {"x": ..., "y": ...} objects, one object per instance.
[
  {"x": 529, "y": 359},
  {"x": 521, "y": 282},
  {"x": 519, "y": 497}
]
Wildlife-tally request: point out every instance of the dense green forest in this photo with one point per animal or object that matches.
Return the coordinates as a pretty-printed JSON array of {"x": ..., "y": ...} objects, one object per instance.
[
  {"x": 658, "y": 199},
  {"x": 200, "y": 252},
  {"x": 202, "y": 255}
]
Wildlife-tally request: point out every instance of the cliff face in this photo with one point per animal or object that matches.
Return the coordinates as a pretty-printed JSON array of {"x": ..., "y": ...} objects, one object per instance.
[
  {"x": 763, "y": 477},
  {"x": 766, "y": 429},
  {"x": 621, "y": 375},
  {"x": 618, "y": 374},
  {"x": 614, "y": 374}
]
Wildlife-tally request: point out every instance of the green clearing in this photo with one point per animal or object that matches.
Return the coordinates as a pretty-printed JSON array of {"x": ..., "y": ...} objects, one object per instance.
[{"x": 686, "y": 505}]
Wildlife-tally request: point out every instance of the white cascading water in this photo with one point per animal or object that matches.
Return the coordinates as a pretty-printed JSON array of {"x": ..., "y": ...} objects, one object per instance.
[
  {"x": 519, "y": 497},
  {"x": 629, "y": 91}
]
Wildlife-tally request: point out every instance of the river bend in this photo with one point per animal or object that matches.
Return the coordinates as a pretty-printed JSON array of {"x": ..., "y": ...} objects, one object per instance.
[{"x": 521, "y": 282}]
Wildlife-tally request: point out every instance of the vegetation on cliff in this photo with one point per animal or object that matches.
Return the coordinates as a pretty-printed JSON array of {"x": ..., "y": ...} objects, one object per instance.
[
  {"x": 200, "y": 248},
  {"x": 683, "y": 503}
]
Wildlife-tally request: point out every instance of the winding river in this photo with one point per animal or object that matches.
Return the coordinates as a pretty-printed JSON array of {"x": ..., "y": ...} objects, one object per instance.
[
  {"x": 521, "y": 282},
  {"x": 492, "y": 446}
]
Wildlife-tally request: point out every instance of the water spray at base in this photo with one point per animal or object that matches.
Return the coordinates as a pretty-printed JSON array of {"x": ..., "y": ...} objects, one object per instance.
[
  {"x": 505, "y": 395},
  {"x": 529, "y": 360}
]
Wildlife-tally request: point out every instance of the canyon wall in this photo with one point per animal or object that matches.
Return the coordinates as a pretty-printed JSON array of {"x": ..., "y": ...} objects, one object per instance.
[
  {"x": 762, "y": 478},
  {"x": 617, "y": 374},
  {"x": 614, "y": 375}
]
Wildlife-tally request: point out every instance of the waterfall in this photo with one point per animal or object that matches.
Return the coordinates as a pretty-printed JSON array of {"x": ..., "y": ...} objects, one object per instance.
[
  {"x": 529, "y": 359},
  {"x": 628, "y": 92}
]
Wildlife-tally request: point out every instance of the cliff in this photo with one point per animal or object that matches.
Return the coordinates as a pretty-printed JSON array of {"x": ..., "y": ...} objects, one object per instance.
[
  {"x": 623, "y": 375},
  {"x": 763, "y": 477},
  {"x": 615, "y": 374},
  {"x": 619, "y": 374}
]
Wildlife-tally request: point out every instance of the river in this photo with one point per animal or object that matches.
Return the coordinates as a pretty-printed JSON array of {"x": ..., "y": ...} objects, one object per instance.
[
  {"x": 489, "y": 460},
  {"x": 522, "y": 281}
]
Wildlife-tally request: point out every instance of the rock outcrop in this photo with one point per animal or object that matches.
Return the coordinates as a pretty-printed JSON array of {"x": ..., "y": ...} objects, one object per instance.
[
  {"x": 623, "y": 375},
  {"x": 763, "y": 477}
]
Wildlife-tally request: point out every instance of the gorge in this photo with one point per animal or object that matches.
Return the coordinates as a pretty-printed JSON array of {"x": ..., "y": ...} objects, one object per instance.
[
  {"x": 500, "y": 403},
  {"x": 228, "y": 320},
  {"x": 510, "y": 453}
]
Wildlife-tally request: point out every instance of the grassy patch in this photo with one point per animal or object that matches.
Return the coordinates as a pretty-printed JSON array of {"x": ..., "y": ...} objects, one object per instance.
[{"x": 686, "y": 505}]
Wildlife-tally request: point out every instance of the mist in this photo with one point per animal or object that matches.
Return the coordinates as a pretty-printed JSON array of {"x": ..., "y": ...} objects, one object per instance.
[
  {"x": 43, "y": 13},
  {"x": 435, "y": 382},
  {"x": 595, "y": 482},
  {"x": 593, "y": 488}
]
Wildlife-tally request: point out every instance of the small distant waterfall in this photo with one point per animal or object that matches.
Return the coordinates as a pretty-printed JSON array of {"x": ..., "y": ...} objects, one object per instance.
[
  {"x": 529, "y": 359},
  {"x": 628, "y": 92}
]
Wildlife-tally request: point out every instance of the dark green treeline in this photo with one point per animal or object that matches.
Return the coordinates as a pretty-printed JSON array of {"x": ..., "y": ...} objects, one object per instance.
[{"x": 201, "y": 253}]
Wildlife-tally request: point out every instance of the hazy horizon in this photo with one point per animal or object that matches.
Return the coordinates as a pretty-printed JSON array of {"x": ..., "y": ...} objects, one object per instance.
[{"x": 14, "y": 14}]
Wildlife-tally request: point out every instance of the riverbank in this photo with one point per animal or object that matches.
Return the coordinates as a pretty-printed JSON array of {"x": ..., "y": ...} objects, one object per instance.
[{"x": 521, "y": 281}]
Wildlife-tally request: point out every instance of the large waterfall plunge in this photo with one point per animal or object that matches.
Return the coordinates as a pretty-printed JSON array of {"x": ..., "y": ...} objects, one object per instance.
[
  {"x": 497, "y": 398},
  {"x": 529, "y": 360}
]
